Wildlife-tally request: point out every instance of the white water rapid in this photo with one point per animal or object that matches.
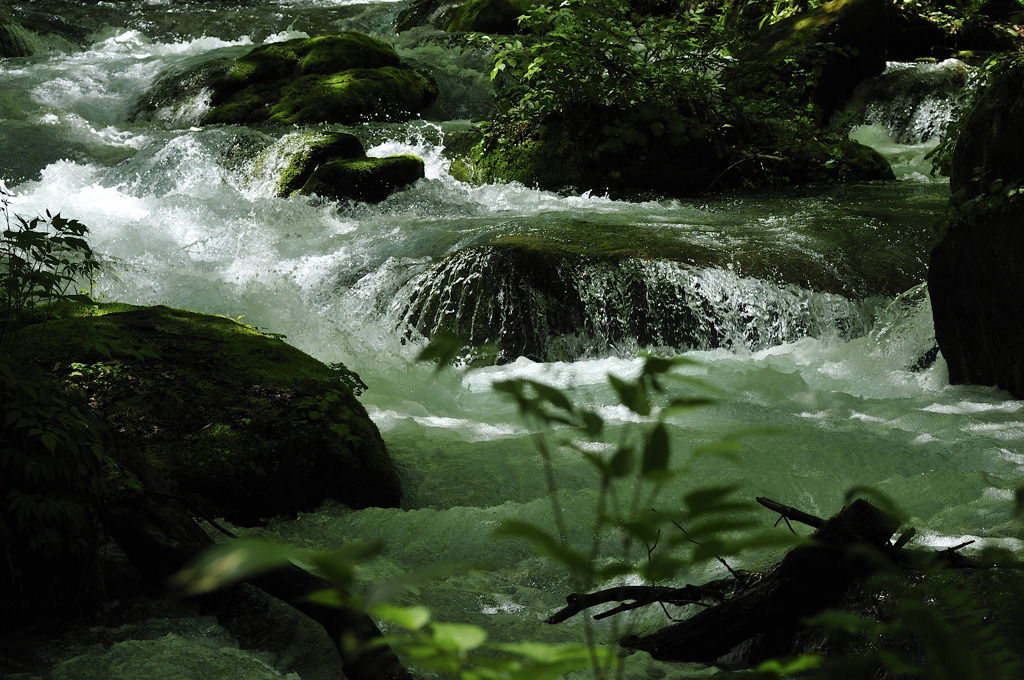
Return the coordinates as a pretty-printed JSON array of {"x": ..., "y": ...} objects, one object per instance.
[{"x": 834, "y": 394}]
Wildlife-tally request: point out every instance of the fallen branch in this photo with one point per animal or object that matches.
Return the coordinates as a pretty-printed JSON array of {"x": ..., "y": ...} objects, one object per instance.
[
  {"x": 792, "y": 513},
  {"x": 810, "y": 578},
  {"x": 639, "y": 596}
]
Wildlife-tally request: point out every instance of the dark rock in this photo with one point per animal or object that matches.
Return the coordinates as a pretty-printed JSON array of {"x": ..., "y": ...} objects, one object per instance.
[
  {"x": 584, "y": 288},
  {"x": 245, "y": 424},
  {"x": 975, "y": 277},
  {"x": 912, "y": 36},
  {"x": 363, "y": 179},
  {"x": 21, "y": 37},
  {"x": 305, "y": 151},
  {"x": 647, "y": 153},
  {"x": 15, "y": 40}
]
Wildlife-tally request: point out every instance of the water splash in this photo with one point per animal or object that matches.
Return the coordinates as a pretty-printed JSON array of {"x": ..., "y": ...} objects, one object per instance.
[
  {"x": 529, "y": 305},
  {"x": 905, "y": 112}
]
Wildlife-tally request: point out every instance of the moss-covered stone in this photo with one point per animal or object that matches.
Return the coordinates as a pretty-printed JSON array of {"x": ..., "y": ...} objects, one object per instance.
[
  {"x": 566, "y": 289},
  {"x": 308, "y": 151},
  {"x": 488, "y": 16},
  {"x": 478, "y": 16},
  {"x": 15, "y": 40},
  {"x": 643, "y": 154},
  {"x": 340, "y": 78},
  {"x": 21, "y": 38},
  {"x": 363, "y": 179},
  {"x": 244, "y": 422}
]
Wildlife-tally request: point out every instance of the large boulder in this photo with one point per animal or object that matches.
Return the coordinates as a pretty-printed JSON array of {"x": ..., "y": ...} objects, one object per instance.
[
  {"x": 580, "y": 287},
  {"x": 245, "y": 425},
  {"x": 22, "y": 37},
  {"x": 975, "y": 277},
  {"x": 822, "y": 54},
  {"x": 333, "y": 165},
  {"x": 654, "y": 153},
  {"x": 339, "y": 78},
  {"x": 478, "y": 16}
]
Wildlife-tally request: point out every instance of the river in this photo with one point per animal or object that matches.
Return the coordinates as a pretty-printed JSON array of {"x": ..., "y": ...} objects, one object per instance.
[{"x": 826, "y": 379}]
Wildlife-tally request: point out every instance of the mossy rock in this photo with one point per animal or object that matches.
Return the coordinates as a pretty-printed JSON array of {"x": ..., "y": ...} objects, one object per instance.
[
  {"x": 304, "y": 152},
  {"x": 247, "y": 424},
  {"x": 21, "y": 37},
  {"x": 339, "y": 78},
  {"x": 15, "y": 39},
  {"x": 563, "y": 291},
  {"x": 363, "y": 179},
  {"x": 475, "y": 16},
  {"x": 644, "y": 155}
]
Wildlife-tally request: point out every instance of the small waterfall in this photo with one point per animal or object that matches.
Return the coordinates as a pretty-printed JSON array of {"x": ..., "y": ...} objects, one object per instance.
[
  {"x": 905, "y": 112},
  {"x": 547, "y": 307}
]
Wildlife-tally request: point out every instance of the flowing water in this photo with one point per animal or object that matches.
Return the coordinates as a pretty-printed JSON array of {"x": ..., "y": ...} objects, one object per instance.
[{"x": 813, "y": 350}]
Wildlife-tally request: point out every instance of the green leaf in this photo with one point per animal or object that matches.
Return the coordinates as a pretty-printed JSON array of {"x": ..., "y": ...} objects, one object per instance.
[
  {"x": 631, "y": 395},
  {"x": 656, "y": 453},
  {"x": 459, "y": 637},
  {"x": 711, "y": 499},
  {"x": 623, "y": 462},
  {"x": 782, "y": 668},
  {"x": 552, "y": 395},
  {"x": 410, "y": 618},
  {"x": 330, "y": 597},
  {"x": 593, "y": 424},
  {"x": 232, "y": 562},
  {"x": 338, "y": 565},
  {"x": 444, "y": 347}
]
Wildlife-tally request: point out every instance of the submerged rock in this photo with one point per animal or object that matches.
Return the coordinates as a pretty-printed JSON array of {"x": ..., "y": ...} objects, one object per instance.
[
  {"x": 333, "y": 165},
  {"x": 975, "y": 276},
  {"x": 549, "y": 299},
  {"x": 340, "y": 78},
  {"x": 243, "y": 422}
]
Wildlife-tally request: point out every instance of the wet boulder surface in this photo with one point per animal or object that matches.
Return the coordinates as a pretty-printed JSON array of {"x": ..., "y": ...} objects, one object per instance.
[{"x": 975, "y": 276}]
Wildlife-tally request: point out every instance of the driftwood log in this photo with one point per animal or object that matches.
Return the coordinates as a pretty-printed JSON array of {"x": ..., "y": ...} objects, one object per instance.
[
  {"x": 159, "y": 536},
  {"x": 769, "y": 609}
]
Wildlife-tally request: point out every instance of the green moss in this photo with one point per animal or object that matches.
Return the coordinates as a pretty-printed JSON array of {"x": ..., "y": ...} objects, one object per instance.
[
  {"x": 317, "y": 148},
  {"x": 267, "y": 62},
  {"x": 244, "y": 420},
  {"x": 364, "y": 179},
  {"x": 339, "y": 78},
  {"x": 340, "y": 52},
  {"x": 388, "y": 93}
]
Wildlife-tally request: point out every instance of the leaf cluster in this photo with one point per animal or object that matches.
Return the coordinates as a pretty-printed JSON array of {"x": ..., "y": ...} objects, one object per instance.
[
  {"x": 42, "y": 261},
  {"x": 576, "y": 56},
  {"x": 635, "y": 465}
]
